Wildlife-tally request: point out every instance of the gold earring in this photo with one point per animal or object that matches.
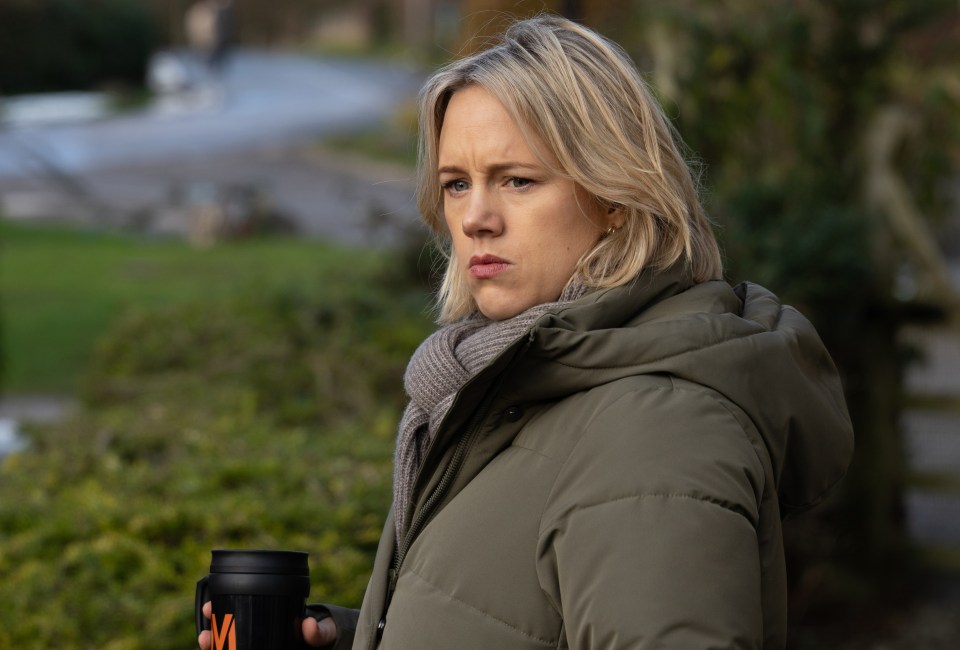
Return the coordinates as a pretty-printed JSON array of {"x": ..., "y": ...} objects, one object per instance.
[{"x": 610, "y": 231}]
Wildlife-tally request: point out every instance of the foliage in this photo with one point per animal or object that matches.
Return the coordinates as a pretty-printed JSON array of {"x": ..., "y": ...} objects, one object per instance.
[
  {"x": 284, "y": 348},
  {"x": 260, "y": 421},
  {"x": 73, "y": 44},
  {"x": 779, "y": 100},
  {"x": 781, "y": 105},
  {"x": 62, "y": 287}
]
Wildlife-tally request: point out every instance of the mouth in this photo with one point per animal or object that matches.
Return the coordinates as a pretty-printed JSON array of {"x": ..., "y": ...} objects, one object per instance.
[{"x": 487, "y": 266}]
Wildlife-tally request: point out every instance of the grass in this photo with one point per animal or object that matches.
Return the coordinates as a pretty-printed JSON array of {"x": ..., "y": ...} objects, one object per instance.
[
  {"x": 262, "y": 421},
  {"x": 241, "y": 396},
  {"x": 62, "y": 288}
]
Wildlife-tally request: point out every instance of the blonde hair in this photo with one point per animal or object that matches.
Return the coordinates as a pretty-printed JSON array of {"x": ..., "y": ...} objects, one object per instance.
[{"x": 580, "y": 94}]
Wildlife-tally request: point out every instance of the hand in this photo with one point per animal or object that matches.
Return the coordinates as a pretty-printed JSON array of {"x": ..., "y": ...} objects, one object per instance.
[
  {"x": 317, "y": 634},
  {"x": 204, "y": 638}
]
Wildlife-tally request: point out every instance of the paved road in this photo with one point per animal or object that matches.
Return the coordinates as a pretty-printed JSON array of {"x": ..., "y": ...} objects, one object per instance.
[
  {"x": 252, "y": 132},
  {"x": 264, "y": 99}
]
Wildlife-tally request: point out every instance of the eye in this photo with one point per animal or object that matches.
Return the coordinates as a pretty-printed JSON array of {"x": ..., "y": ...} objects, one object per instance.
[
  {"x": 456, "y": 186},
  {"x": 519, "y": 183}
]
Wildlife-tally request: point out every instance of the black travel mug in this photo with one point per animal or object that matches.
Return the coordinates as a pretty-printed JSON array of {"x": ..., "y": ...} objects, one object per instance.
[{"x": 259, "y": 599}]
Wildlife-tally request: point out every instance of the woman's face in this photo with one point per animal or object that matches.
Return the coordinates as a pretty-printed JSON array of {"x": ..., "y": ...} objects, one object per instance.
[{"x": 518, "y": 230}]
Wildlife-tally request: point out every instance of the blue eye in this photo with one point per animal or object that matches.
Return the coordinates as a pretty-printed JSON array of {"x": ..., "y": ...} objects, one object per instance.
[
  {"x": 458, "y": 185},
  {"x": 520, "y": 183}
]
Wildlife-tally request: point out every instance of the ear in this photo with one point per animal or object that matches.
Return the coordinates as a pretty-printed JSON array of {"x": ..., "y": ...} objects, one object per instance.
[{"x": 616, "y": 215}]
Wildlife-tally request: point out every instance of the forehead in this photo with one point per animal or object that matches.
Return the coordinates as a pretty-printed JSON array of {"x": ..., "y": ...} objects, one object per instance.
[
  {"x": 476, "y": 122},
  {"x": 475, "y": 102}
]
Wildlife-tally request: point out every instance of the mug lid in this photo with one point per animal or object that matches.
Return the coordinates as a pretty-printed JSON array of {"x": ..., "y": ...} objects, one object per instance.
[{"x": 259, "y": 561}]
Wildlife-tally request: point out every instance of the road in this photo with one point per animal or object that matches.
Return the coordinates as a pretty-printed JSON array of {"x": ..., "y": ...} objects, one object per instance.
[
  {"x": 250, "y": 131},
  {"x": 265, "y": 98}
]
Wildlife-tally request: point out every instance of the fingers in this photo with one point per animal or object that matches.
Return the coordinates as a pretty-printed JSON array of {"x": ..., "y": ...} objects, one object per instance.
[
  {"x": 319, "y": 633},
  {"x": 204, "y": 638},
  {"x": 315, "y": 633}
]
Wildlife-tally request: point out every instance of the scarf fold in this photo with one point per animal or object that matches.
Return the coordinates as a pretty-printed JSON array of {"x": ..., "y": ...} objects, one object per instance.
[{"x": 437, "y": 370}]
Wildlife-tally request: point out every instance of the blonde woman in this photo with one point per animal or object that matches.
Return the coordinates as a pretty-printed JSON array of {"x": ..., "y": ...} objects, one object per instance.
[{"x": 602, "y": 436}]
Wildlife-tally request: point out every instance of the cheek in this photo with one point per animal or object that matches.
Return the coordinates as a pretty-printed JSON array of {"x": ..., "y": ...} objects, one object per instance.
[
  {"x": 570, "y": 244},
  {"x": 448, "y": 218},
  {"x": 555, "y": 262},
  {"x": 575, "y": 228},
  {"x": 460, "y": 245}
]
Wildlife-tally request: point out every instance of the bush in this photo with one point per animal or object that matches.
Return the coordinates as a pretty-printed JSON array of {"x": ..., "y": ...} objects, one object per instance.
[
  {"x": 73, "y": 44},
  {"x": 253, "y": 422}
]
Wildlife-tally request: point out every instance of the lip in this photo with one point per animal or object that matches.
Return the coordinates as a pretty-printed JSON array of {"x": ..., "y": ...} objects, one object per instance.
[{"x": 483, "y": 267}]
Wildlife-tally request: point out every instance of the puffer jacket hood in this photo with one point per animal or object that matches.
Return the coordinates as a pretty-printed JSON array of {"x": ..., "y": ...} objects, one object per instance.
[
  {"x": 742, "y": 342},
  {"x": 616, "y": 477}
]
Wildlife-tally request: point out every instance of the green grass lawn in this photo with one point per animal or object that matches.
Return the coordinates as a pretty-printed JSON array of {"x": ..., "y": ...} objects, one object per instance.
[{"x": 61, "y": 288}]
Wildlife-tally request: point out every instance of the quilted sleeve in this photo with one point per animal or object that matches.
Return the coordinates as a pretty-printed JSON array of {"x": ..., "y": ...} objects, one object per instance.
[{"x": 649, "y": 539}]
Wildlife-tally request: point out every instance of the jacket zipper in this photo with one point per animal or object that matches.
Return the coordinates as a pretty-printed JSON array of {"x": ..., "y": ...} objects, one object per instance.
[{"x": 450, "y": 474}]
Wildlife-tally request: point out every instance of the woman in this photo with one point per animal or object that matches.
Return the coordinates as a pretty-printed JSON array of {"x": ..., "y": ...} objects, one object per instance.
[{"x": 603, "y": 435}]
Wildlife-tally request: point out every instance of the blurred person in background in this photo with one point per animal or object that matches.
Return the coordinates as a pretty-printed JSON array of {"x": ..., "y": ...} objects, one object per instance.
[
  {"x": 209, "y": 28},
  {"x": 602, "y": 436}
]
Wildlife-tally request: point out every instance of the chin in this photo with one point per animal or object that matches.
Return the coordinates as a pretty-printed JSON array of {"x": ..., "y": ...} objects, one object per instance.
[{"x": 499, "y": 311}]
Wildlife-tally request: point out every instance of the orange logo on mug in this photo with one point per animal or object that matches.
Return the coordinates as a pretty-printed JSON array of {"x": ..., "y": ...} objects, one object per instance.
[{"x": 228, "y": 633}]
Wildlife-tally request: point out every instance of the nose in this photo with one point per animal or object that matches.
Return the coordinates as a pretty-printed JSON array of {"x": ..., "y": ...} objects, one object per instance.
[{"x": 481, "y": 217}]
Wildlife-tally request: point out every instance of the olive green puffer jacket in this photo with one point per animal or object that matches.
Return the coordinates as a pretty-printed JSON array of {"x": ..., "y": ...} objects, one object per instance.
[{"x": 616, "y": 479}]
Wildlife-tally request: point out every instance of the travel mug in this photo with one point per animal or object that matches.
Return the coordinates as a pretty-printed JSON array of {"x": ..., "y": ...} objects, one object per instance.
[{"x": 259, "y": 599}]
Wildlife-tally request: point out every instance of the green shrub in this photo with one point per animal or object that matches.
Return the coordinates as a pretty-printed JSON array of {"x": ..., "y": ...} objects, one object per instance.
[{"x": 248, "y": 422}]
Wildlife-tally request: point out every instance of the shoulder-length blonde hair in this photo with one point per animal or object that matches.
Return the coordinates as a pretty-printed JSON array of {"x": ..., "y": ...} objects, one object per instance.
[{"x": 579, "y": 94}]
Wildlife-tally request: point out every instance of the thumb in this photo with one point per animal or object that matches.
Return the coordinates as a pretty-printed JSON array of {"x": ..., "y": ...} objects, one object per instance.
[{"x": 319, "y": 633}]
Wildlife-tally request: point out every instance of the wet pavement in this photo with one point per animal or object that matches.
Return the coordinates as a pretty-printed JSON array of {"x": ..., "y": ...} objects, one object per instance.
[
  {"x": 263, "y": 99},
  {"x": 253, "y": 132},
  {"x": 318, "y": 193}
]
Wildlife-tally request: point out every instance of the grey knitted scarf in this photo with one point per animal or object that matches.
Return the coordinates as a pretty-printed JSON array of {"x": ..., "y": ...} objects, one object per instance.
[{"x": 440, "y": 366}]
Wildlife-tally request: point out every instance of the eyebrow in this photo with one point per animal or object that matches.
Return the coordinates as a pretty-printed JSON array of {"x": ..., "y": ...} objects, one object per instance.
[{"x": 492, "y": 169}]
